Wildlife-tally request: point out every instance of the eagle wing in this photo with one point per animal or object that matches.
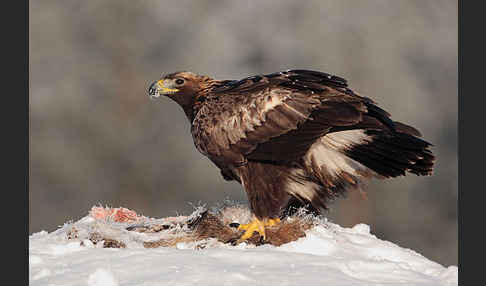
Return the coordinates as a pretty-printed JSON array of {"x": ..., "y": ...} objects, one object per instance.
[{"x": 277, "y": 117}]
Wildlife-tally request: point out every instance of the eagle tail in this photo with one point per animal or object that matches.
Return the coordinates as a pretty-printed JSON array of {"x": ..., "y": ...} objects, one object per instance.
[
  {"x": 342, "y": 160},
  {"x": 392, "y": 154}
]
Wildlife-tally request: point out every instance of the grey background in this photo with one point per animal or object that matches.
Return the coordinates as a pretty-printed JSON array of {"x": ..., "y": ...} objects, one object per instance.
[{"x": 96, "y": 138}]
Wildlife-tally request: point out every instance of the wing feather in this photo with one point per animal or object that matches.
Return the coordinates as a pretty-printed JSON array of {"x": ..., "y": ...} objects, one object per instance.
[{"x": 277, "y": 116}]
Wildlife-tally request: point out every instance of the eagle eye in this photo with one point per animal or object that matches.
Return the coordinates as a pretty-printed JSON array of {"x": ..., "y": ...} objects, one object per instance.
[{"x": 179, "y": 81}]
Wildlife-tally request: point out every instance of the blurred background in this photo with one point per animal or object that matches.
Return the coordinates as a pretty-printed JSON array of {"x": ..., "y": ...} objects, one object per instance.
[{"x": 97, "y": 139}]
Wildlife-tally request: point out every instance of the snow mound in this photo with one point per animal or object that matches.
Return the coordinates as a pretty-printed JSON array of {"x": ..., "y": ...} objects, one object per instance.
[{"x": 118, "y": 249}]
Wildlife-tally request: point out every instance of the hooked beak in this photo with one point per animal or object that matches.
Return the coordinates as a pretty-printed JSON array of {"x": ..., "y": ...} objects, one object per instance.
[{"x": 160, "y": 87}]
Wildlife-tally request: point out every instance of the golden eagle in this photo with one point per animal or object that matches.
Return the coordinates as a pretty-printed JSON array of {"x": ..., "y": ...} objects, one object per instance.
[{"x": 293, "y": 138}]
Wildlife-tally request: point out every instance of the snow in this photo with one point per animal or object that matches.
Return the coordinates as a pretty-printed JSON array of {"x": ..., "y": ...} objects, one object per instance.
[
  {"x": 102, "y": 277},
  {"x": 328, "y": 255}
]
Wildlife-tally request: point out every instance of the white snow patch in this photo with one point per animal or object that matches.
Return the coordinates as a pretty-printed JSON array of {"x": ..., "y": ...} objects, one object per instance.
[
  {"x": 102, "y": 277},
  {"x": 328, "y": 255},
  {"x": 33, "y": 260},
  {"x": 44, "y": 272}
]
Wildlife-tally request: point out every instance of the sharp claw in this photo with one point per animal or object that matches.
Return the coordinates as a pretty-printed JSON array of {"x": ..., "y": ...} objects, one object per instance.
[
  {"x": 234, "y": 224},
  {"x": 254, "y": 226},
  {"x": 233, "y": 241}
]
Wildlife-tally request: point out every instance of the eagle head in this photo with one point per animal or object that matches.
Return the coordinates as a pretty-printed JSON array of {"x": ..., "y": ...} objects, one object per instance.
[{"x": 182, "y": 87}]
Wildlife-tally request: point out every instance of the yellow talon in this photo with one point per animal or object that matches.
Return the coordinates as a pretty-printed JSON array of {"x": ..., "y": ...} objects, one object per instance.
[
  {"x": 272, "y": 222},
  {"x": 258, "y": 226}
]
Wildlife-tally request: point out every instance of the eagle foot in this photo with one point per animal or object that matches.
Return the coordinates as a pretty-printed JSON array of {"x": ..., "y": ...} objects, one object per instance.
[{"x": 255, "y": 226}]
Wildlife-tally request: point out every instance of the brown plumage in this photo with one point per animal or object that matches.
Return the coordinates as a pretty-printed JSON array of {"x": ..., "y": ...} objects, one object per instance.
[{"x": 294, "y": 138}]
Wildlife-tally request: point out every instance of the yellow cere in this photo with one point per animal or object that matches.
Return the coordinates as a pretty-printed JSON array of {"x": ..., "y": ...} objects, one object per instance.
[{"x": 164, "y": 89}]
